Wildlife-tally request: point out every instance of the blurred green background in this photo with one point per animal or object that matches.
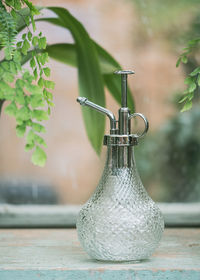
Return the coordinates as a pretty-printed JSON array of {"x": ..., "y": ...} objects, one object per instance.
[{"x": 169, "y": 158}]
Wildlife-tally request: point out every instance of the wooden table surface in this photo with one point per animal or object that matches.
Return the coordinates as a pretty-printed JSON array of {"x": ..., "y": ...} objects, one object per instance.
[{"x": 48, "y": 254}]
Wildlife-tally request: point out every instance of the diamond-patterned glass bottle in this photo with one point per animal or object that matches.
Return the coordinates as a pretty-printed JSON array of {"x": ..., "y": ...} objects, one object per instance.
[{"x": 120, "y": 222}]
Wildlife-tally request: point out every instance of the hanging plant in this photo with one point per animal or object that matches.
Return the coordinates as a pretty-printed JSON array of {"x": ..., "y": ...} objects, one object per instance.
[{"x": 28, "y": 92}]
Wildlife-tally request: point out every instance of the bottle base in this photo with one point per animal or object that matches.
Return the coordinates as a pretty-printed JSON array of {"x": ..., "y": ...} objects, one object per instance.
[{"x": 132, "y": 261}]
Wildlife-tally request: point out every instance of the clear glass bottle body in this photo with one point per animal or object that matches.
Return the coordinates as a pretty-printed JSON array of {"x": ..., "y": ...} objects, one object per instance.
[{"x": 120, "y": 222}]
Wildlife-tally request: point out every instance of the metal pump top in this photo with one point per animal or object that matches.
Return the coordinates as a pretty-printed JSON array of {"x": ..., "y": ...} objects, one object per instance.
[
  {"x": 119, "y": 135},
  {"x": 124, "y": 74}
]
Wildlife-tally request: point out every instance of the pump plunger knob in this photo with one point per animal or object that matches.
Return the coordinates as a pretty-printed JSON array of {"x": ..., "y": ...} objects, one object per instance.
[{"x": 124, "y": 74}]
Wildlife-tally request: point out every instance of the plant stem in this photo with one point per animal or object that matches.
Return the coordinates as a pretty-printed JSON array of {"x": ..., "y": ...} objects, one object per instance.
[{"x": 1, "y": 103}]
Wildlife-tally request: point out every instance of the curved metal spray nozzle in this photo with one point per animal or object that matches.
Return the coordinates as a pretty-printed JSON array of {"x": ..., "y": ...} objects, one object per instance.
[{"x": 85, "y": 102}]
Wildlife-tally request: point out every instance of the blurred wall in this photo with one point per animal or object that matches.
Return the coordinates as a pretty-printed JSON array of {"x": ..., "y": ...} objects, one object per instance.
[{"x": 72, "y": 166}]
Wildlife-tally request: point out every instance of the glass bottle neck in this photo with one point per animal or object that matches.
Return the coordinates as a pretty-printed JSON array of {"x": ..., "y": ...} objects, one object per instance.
[{"x": 120, "y": 157}]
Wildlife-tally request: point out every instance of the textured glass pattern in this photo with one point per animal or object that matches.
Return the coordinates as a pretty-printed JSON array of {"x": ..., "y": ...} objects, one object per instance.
[{"x": 120, "y": 222}]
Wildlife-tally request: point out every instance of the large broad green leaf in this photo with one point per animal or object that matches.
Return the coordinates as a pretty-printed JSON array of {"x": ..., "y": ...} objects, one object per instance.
[
  {"x": 89, "y": 75},
  {"x": 107, "y": 63},
  {"x": 65, "y": 53}
]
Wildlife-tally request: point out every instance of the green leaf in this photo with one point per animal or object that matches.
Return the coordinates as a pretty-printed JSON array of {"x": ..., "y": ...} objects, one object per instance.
[
  {"x": 38, "y": 127},
  {"x": 23, "y": 113},
  {"x": 1, "y": 99},
  {"x": 35, "y": 41},
  {"x": 17, "y": 56},
  {"x": 195, "y": 72},
  {"x": 28, "y": 77},
  {"x": 19, "y": 96},
  {"x": 65, "y": 53},
  {"x": 188, "y": 80},
  {"x": 5, "y": 65},
  {"x": 28, "y": 122},
  {"x": 40, "y": 140},
  {"x": 192, "y": 87},
  {"x": 40, "y": 115},
  {"x": 36, "y": 101},
  {"x": 51, "y": 104},
  {"x": 178, "y": 62},
  {"x": 193, "y": 42},
  {"x": 187, "y": 106},
  {"x": 24, "y": 36},
  {"x": 20, "y": 83},
  {"x": 49, "y": 111},
  {"x": 8, "y": 90},
  {"x": 11, "y": 109},
  {"x": 13, "y": 69},
  {"x": 190, "y": 96},
  {"x": 43, "y": 58},
  {"x": 9, "y": 96},
  {"x": 35, "y": 74},
  {"x": 17, "y": 5},
  {"x": 30, "y": 138},
  {"x": 25, "y": 47},
  {"x": 27, "y": 20},
  {"x": 33, "y": 22},
  {"x": 39, "y": 157},
  {"x": 32, "y": 8},
  {"x": 8, "y": 53},
  {"x": 183, "y": 99},
  {"x": 13, "y": 13},
  {"x": 42, "y": 43},
  {"x": 32, "y": 62},
  {"x": 47, "y": 71},
  {"x": 1, "y": 71},
  {"x": 29, "y": 146},
  {"x": 48, "y": 94},
  {"x": 19, "y": 44},
  {"x": 184, "y": 59},
  {"x": 90, "y": 78},
  {"x": 8, "y": 77},
  {"x": 29, "y": 36},
  {"x": 25, "y": 14},
  {"x": 34, "y": 89},
  {"x": 41, "y": 82},
  {"x": 20, "y": 130},
  {"x": 9, "y": 2},
  {"x": 49, "y": 84},
  {"x": 198, "y": 80}
]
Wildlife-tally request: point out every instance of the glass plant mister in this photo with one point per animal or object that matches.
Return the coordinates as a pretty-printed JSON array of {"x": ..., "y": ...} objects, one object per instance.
[{"x": 120, "y": 222}]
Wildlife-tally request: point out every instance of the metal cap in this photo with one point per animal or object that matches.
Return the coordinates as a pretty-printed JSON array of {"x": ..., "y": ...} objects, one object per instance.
[{"x": 126, "y": 72}]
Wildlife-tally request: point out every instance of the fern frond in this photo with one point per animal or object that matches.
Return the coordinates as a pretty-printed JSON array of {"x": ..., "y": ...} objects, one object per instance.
[{"x": 7, "y": 32}]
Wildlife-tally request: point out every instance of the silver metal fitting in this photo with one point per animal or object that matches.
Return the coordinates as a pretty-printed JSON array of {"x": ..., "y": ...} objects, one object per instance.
[
  {"x": 121, "y": 135},
  {"x": 120, "y": 140}
]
